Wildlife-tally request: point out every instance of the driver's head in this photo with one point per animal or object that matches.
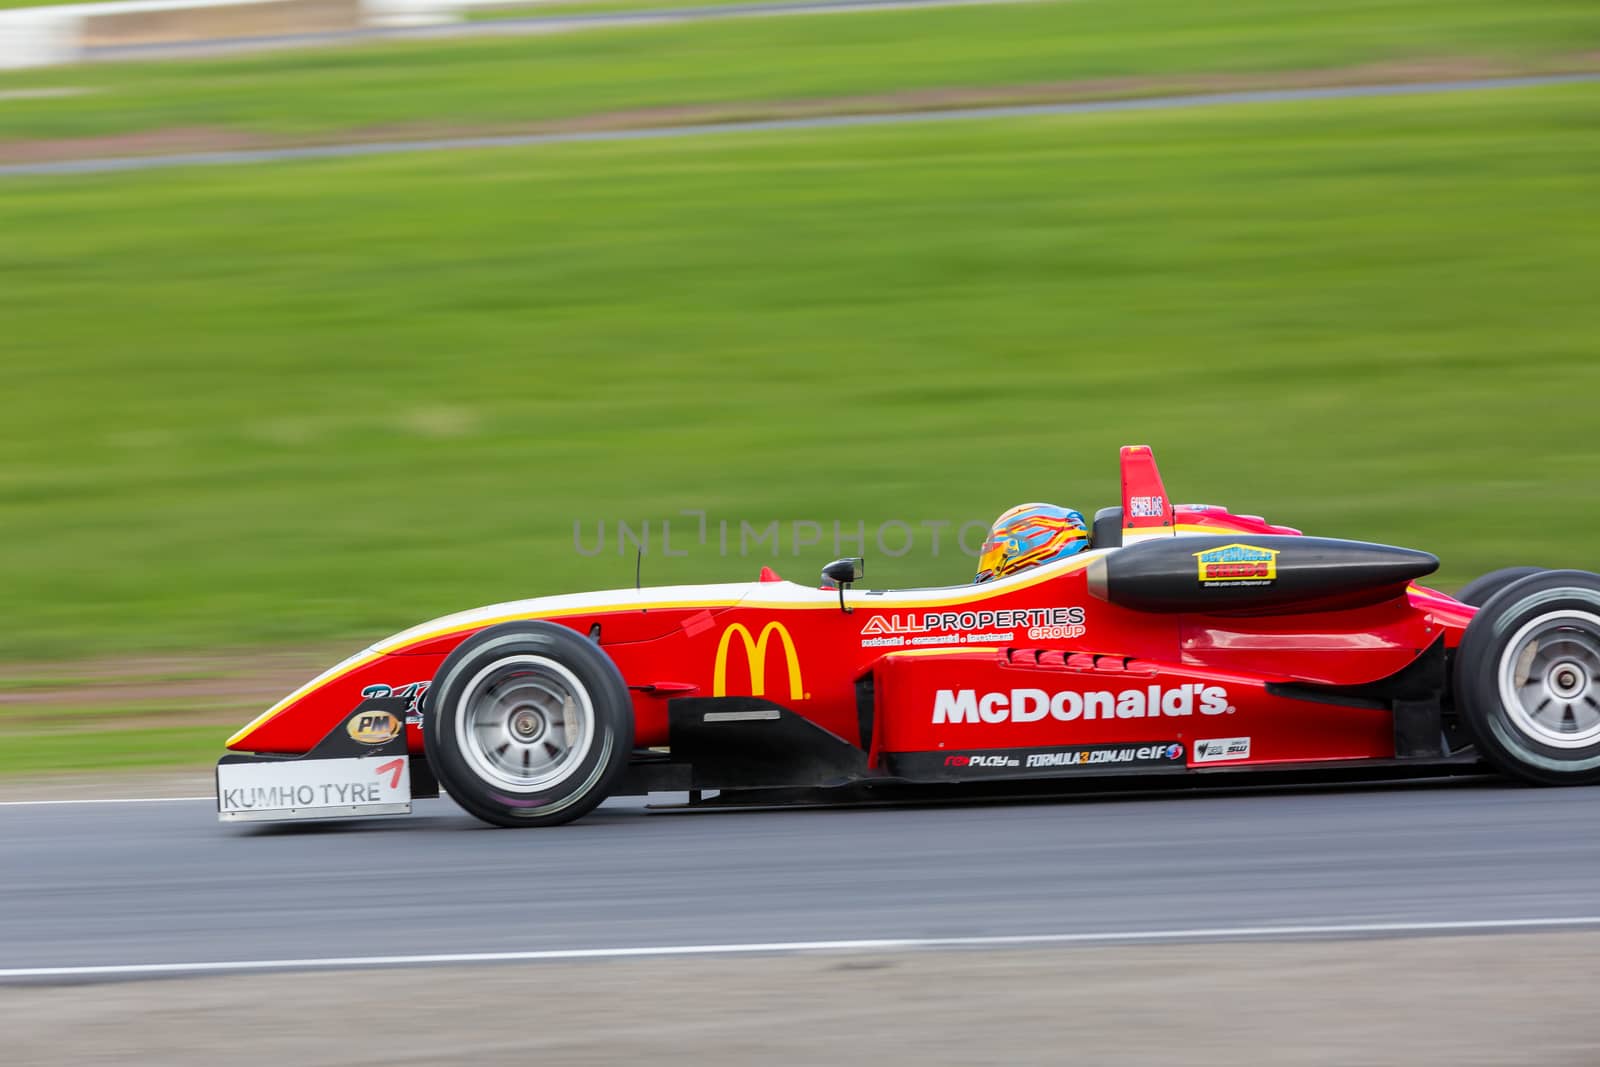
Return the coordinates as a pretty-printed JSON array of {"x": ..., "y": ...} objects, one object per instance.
[{"x": 1028, "y": 535}]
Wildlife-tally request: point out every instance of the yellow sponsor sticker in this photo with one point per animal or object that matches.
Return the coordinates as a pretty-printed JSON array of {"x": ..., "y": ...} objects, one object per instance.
[{"x": 1238, "y": 565}]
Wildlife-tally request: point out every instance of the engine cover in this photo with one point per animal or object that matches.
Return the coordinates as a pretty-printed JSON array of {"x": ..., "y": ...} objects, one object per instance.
[{"x": 1256, "y": 574}]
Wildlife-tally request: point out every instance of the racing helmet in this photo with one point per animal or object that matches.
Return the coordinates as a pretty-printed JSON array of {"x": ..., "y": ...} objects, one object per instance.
[{"x": 1028, "y": 535}]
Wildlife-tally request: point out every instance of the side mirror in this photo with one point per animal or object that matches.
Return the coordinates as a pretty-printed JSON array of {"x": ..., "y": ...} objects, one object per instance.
[
  {"x": 844, "y": 571},
  {"x": 841, "y": 572}
]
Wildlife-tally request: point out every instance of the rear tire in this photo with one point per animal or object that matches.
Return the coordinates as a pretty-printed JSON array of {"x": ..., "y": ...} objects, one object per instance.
[
  {"x": 1528, "y": 678},
  {"x": 1478, "y": 591},
  {"x": 528, "y": 724}
]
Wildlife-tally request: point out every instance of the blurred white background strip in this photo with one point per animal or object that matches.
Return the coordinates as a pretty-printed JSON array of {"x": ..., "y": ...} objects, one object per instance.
[{"x": 121, "y": 29}]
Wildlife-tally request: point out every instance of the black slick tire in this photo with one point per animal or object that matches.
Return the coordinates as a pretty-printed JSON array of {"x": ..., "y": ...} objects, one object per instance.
[
  {"x": 528, "y": 724},
  {"x": 1478, "y": 591},
  {"x": 1527, "y": 678}
]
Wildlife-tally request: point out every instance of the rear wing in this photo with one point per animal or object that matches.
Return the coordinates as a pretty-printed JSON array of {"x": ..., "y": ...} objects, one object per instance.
[{"x": 1146, "y": 507}]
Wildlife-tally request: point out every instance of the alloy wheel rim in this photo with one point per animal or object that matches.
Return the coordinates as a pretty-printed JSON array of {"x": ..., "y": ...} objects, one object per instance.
[
  {"x": 524, "y": 723},
  {"x": 1550, "y": 679}
]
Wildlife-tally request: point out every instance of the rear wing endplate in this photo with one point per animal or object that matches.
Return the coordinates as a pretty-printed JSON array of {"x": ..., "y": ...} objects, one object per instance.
[{"x": 1146, "y": 507}]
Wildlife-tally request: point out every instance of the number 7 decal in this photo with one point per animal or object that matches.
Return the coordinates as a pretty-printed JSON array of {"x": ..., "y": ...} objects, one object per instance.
[{"x": 394, "y": 765}]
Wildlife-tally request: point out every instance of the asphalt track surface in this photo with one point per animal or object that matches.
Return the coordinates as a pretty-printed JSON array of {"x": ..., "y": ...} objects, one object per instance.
[
  {"x": 119, "y": 884},
  {"x": 1158, "y": 103}
]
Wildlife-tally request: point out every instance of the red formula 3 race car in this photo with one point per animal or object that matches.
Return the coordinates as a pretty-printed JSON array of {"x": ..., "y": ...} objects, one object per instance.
[{"x": 1185, "y": 641}]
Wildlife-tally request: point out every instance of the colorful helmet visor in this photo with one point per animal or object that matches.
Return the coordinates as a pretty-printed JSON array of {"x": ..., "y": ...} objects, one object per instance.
[{"x": 1029, "y": 535}]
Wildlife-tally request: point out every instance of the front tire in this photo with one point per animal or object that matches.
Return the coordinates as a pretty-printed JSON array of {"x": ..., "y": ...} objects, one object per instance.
[
  {"x": 1478, "y": 591},
  {"x": 528, "y": 724},
  {"x": 1528, "y": 678}
]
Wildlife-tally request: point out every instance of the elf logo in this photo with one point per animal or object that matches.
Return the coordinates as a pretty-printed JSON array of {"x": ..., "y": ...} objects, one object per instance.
[{"x": 1033, "y": 705}]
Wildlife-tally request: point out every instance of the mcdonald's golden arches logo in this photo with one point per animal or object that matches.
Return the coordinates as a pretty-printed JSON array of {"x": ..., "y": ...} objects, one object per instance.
[{"x": 755, "y": 651}]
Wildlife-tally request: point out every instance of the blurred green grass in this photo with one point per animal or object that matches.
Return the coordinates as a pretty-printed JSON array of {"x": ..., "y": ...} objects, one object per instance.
[
  {"x": 747, "y": 63},
  {"x": 57, "y": 751},
  {"x": 319, "y": 402}
]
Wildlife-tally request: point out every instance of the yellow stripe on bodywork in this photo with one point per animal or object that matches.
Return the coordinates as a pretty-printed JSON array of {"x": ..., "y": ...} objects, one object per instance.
[
  {"x": 356, "y": 662},
  {"x": 968, "y": 594}
]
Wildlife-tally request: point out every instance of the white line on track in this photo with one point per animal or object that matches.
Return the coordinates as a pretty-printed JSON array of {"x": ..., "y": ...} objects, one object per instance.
[
  {"x": 1124, "y": 937},
  {"x": 117, "y": 800}
]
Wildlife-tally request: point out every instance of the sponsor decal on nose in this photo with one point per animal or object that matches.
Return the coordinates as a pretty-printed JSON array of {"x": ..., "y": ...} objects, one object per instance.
[{"x": 372, "y": 727}]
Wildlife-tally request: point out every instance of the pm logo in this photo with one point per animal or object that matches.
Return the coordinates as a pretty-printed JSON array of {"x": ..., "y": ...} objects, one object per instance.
[
  {"x": 755, "y": 653},
  {"x": 372, "y": 727}
]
